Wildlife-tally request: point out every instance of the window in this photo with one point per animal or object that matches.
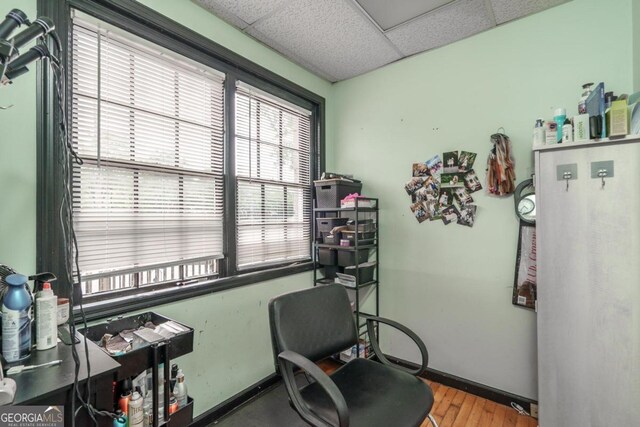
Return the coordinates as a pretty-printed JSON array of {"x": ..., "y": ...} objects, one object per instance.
[
  {"x": 273, "y": 179},
  {"x": 155, "y": 202},
  {"x": 148, "y": 200}
]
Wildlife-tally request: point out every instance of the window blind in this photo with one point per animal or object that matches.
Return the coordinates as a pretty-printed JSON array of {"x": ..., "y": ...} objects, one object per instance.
[
  {"x": 148, "y": 124},
  {"x": 273, "y": 179}
]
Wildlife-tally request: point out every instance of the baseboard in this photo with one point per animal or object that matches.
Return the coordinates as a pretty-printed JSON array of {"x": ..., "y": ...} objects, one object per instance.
[
  {"x": 484, "y": 391},
  {"x": 218, "y": 411}
]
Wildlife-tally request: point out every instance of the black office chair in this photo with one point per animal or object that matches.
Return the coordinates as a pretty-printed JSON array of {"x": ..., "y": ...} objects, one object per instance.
[{"x": 310, "y": 325}]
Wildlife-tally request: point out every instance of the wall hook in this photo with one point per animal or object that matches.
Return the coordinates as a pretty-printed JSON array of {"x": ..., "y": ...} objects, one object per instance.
[
  {"x": 602, "y": 173},
  {"x": 6, "y": 108},
  {"x": 567, "y": 177}
]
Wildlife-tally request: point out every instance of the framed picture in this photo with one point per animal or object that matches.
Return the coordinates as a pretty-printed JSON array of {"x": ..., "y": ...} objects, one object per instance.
[{"x": 525, "y": 283}]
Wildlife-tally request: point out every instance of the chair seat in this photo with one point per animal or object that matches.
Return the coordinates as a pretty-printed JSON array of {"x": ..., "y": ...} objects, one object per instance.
[{"x": 376, "y": 395}]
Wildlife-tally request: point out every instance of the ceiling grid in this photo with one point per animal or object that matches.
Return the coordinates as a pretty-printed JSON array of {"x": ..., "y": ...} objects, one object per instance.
[{"x": 340, "y": 39}]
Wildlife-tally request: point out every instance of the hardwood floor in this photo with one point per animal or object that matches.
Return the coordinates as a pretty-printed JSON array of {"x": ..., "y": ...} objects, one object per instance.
[{"x": 456, "y": 408}]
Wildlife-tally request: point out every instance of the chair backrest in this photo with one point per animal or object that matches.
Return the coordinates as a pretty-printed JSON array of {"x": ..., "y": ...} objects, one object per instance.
[{"x": 315, "y": 323}]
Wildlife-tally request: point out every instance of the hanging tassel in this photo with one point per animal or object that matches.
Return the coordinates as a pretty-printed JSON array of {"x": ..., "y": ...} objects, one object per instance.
[{"x": 501, "y": 175}]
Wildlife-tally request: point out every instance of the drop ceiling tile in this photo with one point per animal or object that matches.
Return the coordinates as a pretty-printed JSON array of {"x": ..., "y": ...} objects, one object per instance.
[
  {"x": 333, "y": 37},
  {"x": 388, "y": 14},
  {"x": 240, "y": 13},
  {"x": 507, "y": 10},
  {"x": 443, "y": 26}
]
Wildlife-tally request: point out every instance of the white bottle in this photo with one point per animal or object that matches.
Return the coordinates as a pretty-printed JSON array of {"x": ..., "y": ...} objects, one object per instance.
[
  {"x": 135, "y": 414},
  {"x": 567, "y": 131},
  {"x": 538, "y": 133},
  {"x": 180, "y": 390},
  {"x": 46, "y": 318}
]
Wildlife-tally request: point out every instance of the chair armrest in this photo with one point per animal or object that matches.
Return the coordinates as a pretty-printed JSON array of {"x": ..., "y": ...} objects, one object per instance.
[
  {"x": 287, "y": 360},
  {"x": 376, "y": 346}
]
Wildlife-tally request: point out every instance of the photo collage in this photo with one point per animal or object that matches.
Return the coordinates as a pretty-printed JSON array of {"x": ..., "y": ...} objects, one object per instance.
[{"x": 441, "y": 188}]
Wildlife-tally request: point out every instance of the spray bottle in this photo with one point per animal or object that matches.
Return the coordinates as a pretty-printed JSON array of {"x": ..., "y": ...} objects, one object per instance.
[
  {"x": 559, "y": 117},
  {"x": 16, "y": 319},
  {"x": 46, "y": 318}
]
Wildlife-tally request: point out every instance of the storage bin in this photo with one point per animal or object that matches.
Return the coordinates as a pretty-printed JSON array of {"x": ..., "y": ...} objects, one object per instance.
[
  {"x": 325, "y": 225},
  {"x": 365, "y": 272},
  {"x": 363, "y": 225},
  {"x": 331, "y": 239},
  {"x": 327, "y": 256},
  {"x": 329, "y": 192},
  {"x": 347, "y": 258},
  {"x": 331, "y": 271},
  {"x": 363, "y": 238},
  {"x": 183, "y": 416}
]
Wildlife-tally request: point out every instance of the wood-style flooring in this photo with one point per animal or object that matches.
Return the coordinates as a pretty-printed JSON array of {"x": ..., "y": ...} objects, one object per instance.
[{"x": 456, "y": 408}]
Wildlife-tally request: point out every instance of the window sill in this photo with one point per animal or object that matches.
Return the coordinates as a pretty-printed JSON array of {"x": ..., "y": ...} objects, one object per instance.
[{"x": 139, "y": 301}]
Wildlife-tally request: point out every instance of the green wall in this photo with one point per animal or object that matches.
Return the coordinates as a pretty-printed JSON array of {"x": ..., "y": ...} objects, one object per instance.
[
  {"x": 232, "y": 349},
  {"x": 18, "y": 164},
  {"x": 453, "y": 284},
  {"x": 636, "y": 45}
]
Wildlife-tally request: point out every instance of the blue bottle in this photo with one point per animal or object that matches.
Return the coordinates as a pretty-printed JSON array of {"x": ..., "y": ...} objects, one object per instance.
[
  {"x": 16, "y": 319},
  {"x": 120, "y": 420}
]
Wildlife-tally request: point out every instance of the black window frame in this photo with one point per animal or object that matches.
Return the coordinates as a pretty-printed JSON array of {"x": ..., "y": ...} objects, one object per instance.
[{"x": 151, "y": 25}]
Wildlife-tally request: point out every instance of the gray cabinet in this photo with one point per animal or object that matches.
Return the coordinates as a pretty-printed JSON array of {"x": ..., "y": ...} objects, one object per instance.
[{"x": 588, "y": 252}]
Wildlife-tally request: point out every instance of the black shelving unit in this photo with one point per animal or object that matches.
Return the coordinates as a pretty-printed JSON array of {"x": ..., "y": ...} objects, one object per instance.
[{"x": 326, "y": 273}]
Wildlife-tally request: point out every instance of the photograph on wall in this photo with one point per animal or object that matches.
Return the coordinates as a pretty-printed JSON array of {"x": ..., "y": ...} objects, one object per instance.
[
  {"x": 433, "y": 211},
  {"x": 432, "y": 183},
  {"x": 467, "y": 215},
  {"x": 452, "y": 180},
  {"x": 435, "y": 165},
  {"x": 450, "y": 161},
  {"x": 419, "y": 211},
  {"x": 471, "y": 182},
  {"x": 462, "y": 196},
  {"x": 420, "y": 169},
  {"x": 413, "y": 184},
  {"x": 450, "y": 214},
  {"x": 466, "y": 160},
  {"x": 446, "y": 198},
  {"x": 424, "y": 193},
  {"x": 525, "y": 284}
]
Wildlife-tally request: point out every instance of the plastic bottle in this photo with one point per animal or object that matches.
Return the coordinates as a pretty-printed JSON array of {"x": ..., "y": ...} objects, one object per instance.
[
  {"x": 120, "y": 420},
  {"x": 538, "y": 133},
  {"x": 46, "y": 318},
  {"x": 16, "y": 319},
  {"x": 180, "y": 390},
  {"x": 160, "y": 393},
  {"x": 125, "y": 396},
  {"x": 567, "y": 131},
  {"x": 582, "y": 103},
  {"x": 559, "y": 116},
  {"x": 136, "y": 415},
  {"x": 147, "y": 409}
]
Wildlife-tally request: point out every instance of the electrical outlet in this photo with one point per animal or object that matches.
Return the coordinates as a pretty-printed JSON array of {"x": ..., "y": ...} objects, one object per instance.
[{"x": 533, "y": 410}]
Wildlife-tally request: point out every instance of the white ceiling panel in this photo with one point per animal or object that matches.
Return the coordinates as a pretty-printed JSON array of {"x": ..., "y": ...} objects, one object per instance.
[
  {"x": 246, "y": 11},
  {"x": 340, "y": 39},
  {"x": 443, "y": 26},
  {"x": 334, "y": 36},
  {"x": 507, "y": 10},
  {"x": 388, "y": 14}
]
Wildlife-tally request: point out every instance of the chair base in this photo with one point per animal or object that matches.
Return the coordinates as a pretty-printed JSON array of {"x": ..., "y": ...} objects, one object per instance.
[{"x": 433, "y": 421}]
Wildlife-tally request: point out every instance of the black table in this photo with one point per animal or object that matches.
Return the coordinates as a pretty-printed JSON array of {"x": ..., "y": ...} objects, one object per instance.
[{"x": 53, "y": 385}]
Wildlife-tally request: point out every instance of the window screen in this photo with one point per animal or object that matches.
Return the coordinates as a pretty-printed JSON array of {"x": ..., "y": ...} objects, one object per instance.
[
  {"x": 148, "y": 124},
  {"x": 273, "y": 179}
]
